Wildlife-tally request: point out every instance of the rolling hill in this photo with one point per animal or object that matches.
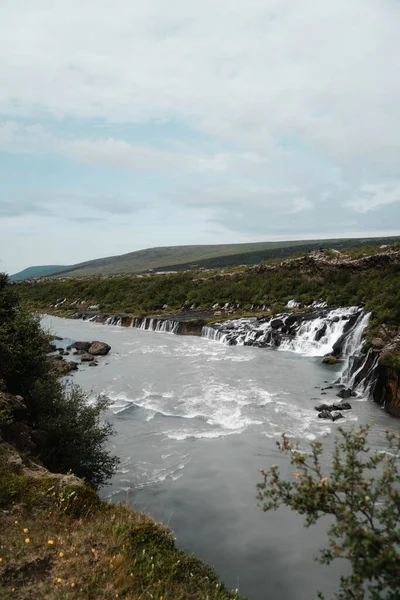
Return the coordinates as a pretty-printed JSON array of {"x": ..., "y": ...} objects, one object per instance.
[
  {"x": 176, "y": 258},
  {"x": 41, "y": 271}
]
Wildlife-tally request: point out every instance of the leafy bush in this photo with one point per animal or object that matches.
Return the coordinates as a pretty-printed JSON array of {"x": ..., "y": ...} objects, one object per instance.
[
  {"x": 68, "y": 432},
  {"x": 362, "y": 494},
  {"x": 74, "y": 433}
]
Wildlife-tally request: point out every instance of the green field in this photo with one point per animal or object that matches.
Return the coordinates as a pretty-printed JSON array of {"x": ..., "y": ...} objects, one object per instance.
[{"x": 191, "y": 257}]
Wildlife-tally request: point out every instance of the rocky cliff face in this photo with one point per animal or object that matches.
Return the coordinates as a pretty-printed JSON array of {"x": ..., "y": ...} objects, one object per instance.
[
  {"x": 377, "y": 370},
  {"x": 387, "y": 389}
]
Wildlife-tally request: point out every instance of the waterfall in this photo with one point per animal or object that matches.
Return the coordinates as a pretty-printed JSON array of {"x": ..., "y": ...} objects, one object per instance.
[
  {"x": 214, "y": 334},
  {"x": 352, "y": 350},
  {"x": 308, "y": 342},
  {"x": 154, "y": 324},
  {"x": 308, "y": 333}
]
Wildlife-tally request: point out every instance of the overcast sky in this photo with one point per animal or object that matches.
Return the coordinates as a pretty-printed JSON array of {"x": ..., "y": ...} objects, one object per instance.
[{"x": 132, "y": 124}]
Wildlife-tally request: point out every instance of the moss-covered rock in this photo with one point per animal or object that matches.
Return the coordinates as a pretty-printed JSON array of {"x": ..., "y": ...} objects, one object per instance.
[{"x": 329, "y": 360}]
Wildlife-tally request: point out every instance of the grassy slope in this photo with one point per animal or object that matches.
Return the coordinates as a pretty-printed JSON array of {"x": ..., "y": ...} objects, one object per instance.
[
  {"x": 60, "y": 542},
  {"x": 155, "y": 258},
  {"x": 40, "y": 271},
  {"x": 211, "y": 256}
]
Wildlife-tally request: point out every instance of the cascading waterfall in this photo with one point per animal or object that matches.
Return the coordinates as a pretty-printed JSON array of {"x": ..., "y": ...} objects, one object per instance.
[
  {"x": 213, "y": 334},
  {"x": 154, "y": 324},
  {"x": 330, "y": 326},
  {"x": 311, "y": 334},
  {"x": 352, "y": 350}
]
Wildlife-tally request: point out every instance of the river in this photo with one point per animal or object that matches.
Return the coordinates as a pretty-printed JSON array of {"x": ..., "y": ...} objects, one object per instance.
[{"x": 196, "y": 420}]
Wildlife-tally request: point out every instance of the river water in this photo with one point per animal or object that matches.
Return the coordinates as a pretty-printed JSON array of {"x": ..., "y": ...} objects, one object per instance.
[{"x": 196, "y": 420}]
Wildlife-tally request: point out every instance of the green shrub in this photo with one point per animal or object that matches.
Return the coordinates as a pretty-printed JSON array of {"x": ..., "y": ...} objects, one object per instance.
[
  {"x": 71, "y": 434},
  {"x": 361, "y": 492}
]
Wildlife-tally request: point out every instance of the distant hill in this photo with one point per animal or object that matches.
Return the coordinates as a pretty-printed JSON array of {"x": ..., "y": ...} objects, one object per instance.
[
  {"x": 176, "y": 258},
  {"x": 41, "y": 271}
]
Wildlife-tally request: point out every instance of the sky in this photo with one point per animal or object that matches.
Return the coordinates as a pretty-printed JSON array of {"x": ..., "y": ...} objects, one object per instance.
[{"x": 126, "y": 125}]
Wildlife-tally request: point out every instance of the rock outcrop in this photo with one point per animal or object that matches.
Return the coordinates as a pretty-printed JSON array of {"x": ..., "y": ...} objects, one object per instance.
[{"x": 99, "y": 349}]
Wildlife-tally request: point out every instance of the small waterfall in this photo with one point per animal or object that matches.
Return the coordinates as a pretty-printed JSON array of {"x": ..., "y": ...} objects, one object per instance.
[
  {"x": 154, "y": 324},
  {"x": 316, "y": 337},
  {"x": 215, "y": 335},
  {"x": 351, "y": 350},
  {"x": 308, "y": 333}
]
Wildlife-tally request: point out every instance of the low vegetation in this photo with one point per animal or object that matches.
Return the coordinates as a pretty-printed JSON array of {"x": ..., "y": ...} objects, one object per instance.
[
  {"x": 361, "y": 494},
  {"x": 60, "y": 542},
  {"x": 376, "y": 287}
]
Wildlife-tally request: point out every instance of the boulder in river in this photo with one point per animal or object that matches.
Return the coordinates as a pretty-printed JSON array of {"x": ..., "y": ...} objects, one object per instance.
[
  {"x": 81, "y": 346},
  {"x": 86, "y": 357},
  {"x": 337, "y": 416},
  {"x": 329, "y": 360},
  {"x": 99, "y": 348},
  {"x": 327, "y": 414},
  {"x": 345, "y": 393},
  {"x": 331, "y": 407}
]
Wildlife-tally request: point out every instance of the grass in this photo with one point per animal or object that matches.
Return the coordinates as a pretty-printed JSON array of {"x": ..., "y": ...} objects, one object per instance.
[{"x": 60, "y": 542}]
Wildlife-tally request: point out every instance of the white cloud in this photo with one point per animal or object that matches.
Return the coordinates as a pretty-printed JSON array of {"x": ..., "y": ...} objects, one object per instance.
[
  {"x": 371, "y": 197},
  {"x": 245, "y": 71},
  {"x": 116, "y": 153}
]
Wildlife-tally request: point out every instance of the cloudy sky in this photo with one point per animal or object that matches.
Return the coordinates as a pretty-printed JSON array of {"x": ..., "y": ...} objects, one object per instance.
[{"x": 128, "y": 124}]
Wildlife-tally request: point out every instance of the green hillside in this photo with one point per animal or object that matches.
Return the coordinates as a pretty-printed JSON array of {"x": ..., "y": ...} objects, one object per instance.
[
  {"x": 176, "y": 258},
  {"x": 41, "y": 271}
]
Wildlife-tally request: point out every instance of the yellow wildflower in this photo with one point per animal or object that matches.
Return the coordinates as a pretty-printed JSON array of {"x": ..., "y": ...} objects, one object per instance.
[
  {"x": 1, "y": 560},
  {"x": 93, "y": 550},
  {"x": 16, "y": 522},
  {"x": 27, "y": 540},
  {"x": 61, "y": 554},
  {"x": 50, "y": 541},
  {"x": 25, "y": 530},
  {"x": 72, "y": 584},
  {"x": 324, "y": 481},
  {"x": 59, "y": 580}
]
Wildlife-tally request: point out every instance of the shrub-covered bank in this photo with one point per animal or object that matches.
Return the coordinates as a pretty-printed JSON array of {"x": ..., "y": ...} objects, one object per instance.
[
  {"x": 58, "y": 540},
  {"x": 341, "y": 281}
]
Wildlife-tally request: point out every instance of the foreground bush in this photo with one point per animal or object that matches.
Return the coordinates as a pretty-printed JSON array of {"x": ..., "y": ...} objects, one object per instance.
[
  {"x": 362, "y": 494},
  {"x": 56, "y": 424}
]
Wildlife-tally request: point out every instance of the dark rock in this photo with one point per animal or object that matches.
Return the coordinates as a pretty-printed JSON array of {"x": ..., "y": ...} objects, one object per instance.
[
  {"x": 323, "y": 393},
  {"x": 86, "y": 357},
  {"x": 328, "y": 387},
  {"x": 99, "y": 348},
  {"x": 93, "y": 364},
  {"x": 81, "y": 346},
  {"x": 325, "y": 414},
  {"x": 69, "y": 347},
  {"x": 322, "y": 407},
  {"x": 330, "y": 407},
  {"x": 51, "y": 348},
  {"x": 337, "y": 416},
  {"x": 345, "y": 393},
  {"x": 321, "y": 332},
  {"x": 65, "y": 353},
  {"x": 276, "y": 323}
]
